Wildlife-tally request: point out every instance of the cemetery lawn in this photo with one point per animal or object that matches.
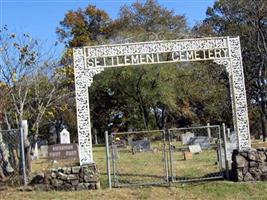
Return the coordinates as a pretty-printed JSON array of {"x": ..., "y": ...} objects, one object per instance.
[
  {"x": 206, "y": 191},
  {"x": 151, "y": 164}
]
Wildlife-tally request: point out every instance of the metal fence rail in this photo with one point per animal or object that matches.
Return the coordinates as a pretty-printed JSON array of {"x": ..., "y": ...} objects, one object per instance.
[{"x": 10, "y": 156}]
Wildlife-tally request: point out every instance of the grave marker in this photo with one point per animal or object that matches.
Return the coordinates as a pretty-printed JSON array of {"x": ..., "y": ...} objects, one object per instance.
[
  {"x": 195, "y": 148},
  {"x": 203, "y": 141},
  {"x": 187, "y": 137},
  {"x": 63, "y": 151},
  {"x": 64, "y": 137},
  {"x": 43, "y": 151}
]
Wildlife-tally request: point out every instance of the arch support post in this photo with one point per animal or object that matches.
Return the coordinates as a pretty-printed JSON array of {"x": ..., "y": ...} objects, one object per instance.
[
  {"x": 239, "y": 99},
  {"x": 82, "y": 108}
]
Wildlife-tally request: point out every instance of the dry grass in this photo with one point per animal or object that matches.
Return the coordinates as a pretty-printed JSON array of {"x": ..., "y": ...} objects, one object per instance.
[
  {"x": 206, "y": 191},
  {"x": 150, "y": 163}
]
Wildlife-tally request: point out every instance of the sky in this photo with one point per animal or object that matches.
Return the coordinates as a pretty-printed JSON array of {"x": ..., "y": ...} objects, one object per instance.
[{"x": 39, "y": 18}]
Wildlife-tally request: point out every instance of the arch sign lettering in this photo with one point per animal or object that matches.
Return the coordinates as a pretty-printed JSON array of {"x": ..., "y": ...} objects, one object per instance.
[{"x": 91, "y": 60}]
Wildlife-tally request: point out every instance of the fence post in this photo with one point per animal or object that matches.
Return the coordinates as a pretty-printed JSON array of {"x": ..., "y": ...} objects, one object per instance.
[
  {"x": 166, "y": 168},
  {"x": 27, "y": 146},
  {"x": 113, "y": 162},
  {"x": 108, "y": 159},
  {"x": 22, "y": 155},
  {"x": 208, "y": 130},
  {"x": 225, "y": 152},
  {"x": 170, "y": 152},
  {"x": 220, "y": 148}
]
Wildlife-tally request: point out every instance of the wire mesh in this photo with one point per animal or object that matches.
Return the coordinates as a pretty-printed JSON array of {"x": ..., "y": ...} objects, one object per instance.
[
  {"x": 138, "y": 158},
  {"x": 9, "y": 157},
  {"x": 195, "y": 153}
]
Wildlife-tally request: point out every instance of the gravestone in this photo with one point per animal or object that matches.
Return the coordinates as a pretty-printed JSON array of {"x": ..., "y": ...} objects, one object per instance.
[
  {"x": 186, "y": 137},
  {"x": 195, "y": 148},
  {"x": 64, "y": 137},
  {"x": 141, "y": 145},
  {"x": 203, "y": 141},
  {"x": 43, "y": 151},
  {"x": 63, "y": 151}
]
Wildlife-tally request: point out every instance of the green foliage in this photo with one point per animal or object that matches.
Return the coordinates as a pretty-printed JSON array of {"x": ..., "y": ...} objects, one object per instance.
[
  {"x": 145, "y": 97},
  {"x": 84, "y": 27},
  {"x": 248, "y": 20}
]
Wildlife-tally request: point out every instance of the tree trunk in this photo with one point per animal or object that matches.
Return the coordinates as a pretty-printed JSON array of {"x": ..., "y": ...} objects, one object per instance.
[
  {"x": 263, "y": 127},
  {"x": 263, "y": 118},
  {"x": 142, "y": 106},
  {"x": 95, "y": 136}
]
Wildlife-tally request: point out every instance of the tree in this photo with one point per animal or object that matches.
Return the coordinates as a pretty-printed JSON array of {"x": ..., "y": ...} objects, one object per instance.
[
  {"x": 145, "y": 85},
  {"x": 84, "y": 26},
  {"x": 247, "y": 19},
  {"x": 146, "y": 97},
  {"x": 33, "y": 80},
  {"x": 18, "y": 59}
]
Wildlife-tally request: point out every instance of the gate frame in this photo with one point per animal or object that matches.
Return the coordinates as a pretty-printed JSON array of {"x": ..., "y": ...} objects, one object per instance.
[
  {"x": 221, "y": 139},
  {"x": 113, "y": 175},
  {"x": 168, "y": 172},
  {"x": 87, "y": 65}
]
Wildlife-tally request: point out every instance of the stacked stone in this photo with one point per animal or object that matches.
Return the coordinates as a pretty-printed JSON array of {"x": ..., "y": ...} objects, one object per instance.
[
  {"x": 250, "y": 165},
  {"x": 71, "y": 178}
]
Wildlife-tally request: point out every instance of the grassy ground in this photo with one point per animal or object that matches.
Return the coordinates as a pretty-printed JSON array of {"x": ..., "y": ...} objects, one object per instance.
[
  {"x": 208, "y": 191},
  {"x": 151, "y": 163}
]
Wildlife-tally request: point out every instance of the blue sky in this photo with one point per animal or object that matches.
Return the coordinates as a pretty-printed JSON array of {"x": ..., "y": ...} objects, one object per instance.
[{"x": 40, "y": 18}]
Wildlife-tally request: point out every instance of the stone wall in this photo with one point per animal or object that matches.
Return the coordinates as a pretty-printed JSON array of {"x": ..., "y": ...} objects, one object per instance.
[
  {"x": 68, "y": 178},
  {"x": 250, "y": 165}
]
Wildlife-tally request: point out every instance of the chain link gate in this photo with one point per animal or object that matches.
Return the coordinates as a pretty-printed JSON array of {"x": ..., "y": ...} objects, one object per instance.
[
  {"x": 11, "y": 157},
  {"x": 163, "y": 157},
  {"x": 195, "y": 154},
  {"x": 138, "y": 158}
]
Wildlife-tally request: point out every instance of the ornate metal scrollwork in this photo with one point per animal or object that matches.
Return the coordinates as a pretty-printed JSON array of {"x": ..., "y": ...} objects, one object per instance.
[
  {"x": 239, "y": 94},
  {"x": 84, "y": 74}
]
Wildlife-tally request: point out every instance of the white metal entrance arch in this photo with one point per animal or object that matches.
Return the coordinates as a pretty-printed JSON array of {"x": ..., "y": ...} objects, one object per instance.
[{"x": 91, "y": 60}]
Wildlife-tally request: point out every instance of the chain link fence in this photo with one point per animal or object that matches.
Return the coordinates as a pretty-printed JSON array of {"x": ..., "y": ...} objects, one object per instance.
[
  {"x": 138, "y": 158},
  {"x": 162, "y": 157},
  {"x": 195, "y": 153},
  {"x": 11, "y": 165}
]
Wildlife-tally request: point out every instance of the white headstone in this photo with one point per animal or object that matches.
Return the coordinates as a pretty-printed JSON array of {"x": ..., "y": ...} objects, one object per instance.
[
  {"x": 186, "y": 137},
  {"x": 36, "y": 152},
  {"x": 44, "y": 151},
  {"x": 64, "y": 137},
  {"x": 195, "y": 148}
]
